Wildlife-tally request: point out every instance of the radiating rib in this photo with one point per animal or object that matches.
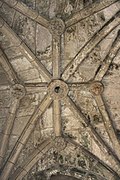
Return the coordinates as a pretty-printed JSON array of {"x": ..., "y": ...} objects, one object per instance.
[
  {"x": 36, "y": 87},
  {"x": 25, "y": 10},
  {"x": 89, "y": 154},
  {"x": 77, "y": 86},
  {"x": 88, "y": 11},
  {"x": 109, "y": 58},
  {"x": 57, "y": 118},
  {"x": 8, "y": 128},
  {"x": 12, "y": 76},
  {"x": 93, "y": 133},
  {"x": 4, "y": 87},
  {"x": 5, "y": 29},
  {"x": 35, "y": 156},
  {"x": 56, "y": 43},
  {"x": 108, "y": 124},
  {"x": 24, "y": 137},
  {"x": 89, "y": 46}
]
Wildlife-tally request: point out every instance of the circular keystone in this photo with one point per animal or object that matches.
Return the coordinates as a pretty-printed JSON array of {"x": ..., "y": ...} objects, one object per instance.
[
  {"x": 96, "y": 88},
  {"x": 56, "y": 27},
  {"x": 58, "y": 89},
  {"x": 18, "y": 91},
  {"x": 59, "y": 144}
]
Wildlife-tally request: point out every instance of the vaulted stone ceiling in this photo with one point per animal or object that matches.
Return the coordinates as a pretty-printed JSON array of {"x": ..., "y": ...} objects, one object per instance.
[{"x": 59, "y": 89}]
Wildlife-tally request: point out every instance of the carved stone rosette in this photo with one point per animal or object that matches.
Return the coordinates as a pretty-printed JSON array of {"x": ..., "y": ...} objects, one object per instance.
[
  {"x": 59, "y": 144},
  {"x": 96, "y": 88},
  {"x": 18, "y": 91},
  {"x": 56, "y": 27}
]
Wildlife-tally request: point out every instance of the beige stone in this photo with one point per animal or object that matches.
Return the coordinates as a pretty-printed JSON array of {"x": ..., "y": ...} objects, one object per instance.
[{"x": 59, "y": 89}]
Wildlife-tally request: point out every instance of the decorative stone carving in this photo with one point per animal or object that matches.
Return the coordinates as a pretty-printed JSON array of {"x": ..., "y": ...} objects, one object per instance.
[
  {"x": 59, "y": 144},
  {"x": 18, "y": 91},
  {"x": 58, "y": 89},
  {"x": 96, "y": 88},
  {"x": 68, "y": 9},
  {"x": 56, "y": 27}
]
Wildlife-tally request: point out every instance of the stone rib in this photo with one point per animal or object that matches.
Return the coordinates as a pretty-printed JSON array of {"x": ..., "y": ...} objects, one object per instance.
[
  {"x": 108, "y": 124},
  {"x": 34, "y": 157},
  {"x": 57, "y": 118},
  {"x": 8, "y": 128},
  {"x": 36, "y": 87},
  {"x": 11, "y": 74},
  {"x": 89, "y": 46},
  {"x": 93, "y": 133},
  {"x": 25, "y": 136},
  {"x": 56, "y": 43},
  {"x": 108, "y": 59},
  {"x": 25, "y": 10},
  {"x": 5, "y": 29},
  {"x": 88, "y": 153},
  {"x": 88, "y": 11},
  {"x": 4, "y": 87}
]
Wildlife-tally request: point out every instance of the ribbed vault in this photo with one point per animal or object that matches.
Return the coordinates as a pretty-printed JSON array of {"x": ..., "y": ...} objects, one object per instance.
[{"x": 59, "y": 89}]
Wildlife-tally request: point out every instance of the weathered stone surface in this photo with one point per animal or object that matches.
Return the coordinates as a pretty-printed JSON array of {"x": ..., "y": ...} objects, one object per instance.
[
  {"x": 61, "y": 177},
  {"x": 7, "y": 14},
  {"x": 77, "y": 113},
  {"x": 25, "y": 28},
  {"x": 5, "y": 41},
  {"x": 112, "y": 97},
  {"x": 44, "y": 121},
  {"x": 44, "y": 52},
  {"x": 29, "y": 75},
  {"x": 22, "y": 121},
  {"x": 3, "y": 78},
  {"x": 30, "y": 3},
  {"x": 13, "y": 52},
  {"x": 21, "y": 64},
  {"x": 42, "y": 7}
]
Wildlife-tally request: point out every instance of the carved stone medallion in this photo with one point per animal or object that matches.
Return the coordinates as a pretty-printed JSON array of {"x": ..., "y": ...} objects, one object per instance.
[
  {"x": 56, "y": 27},
  {"x": 58, "y": 89},
  {"x": 59, "y": 143},
  {"x": 18, "y": 91},
  {"x": 96, "y": 88}
]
